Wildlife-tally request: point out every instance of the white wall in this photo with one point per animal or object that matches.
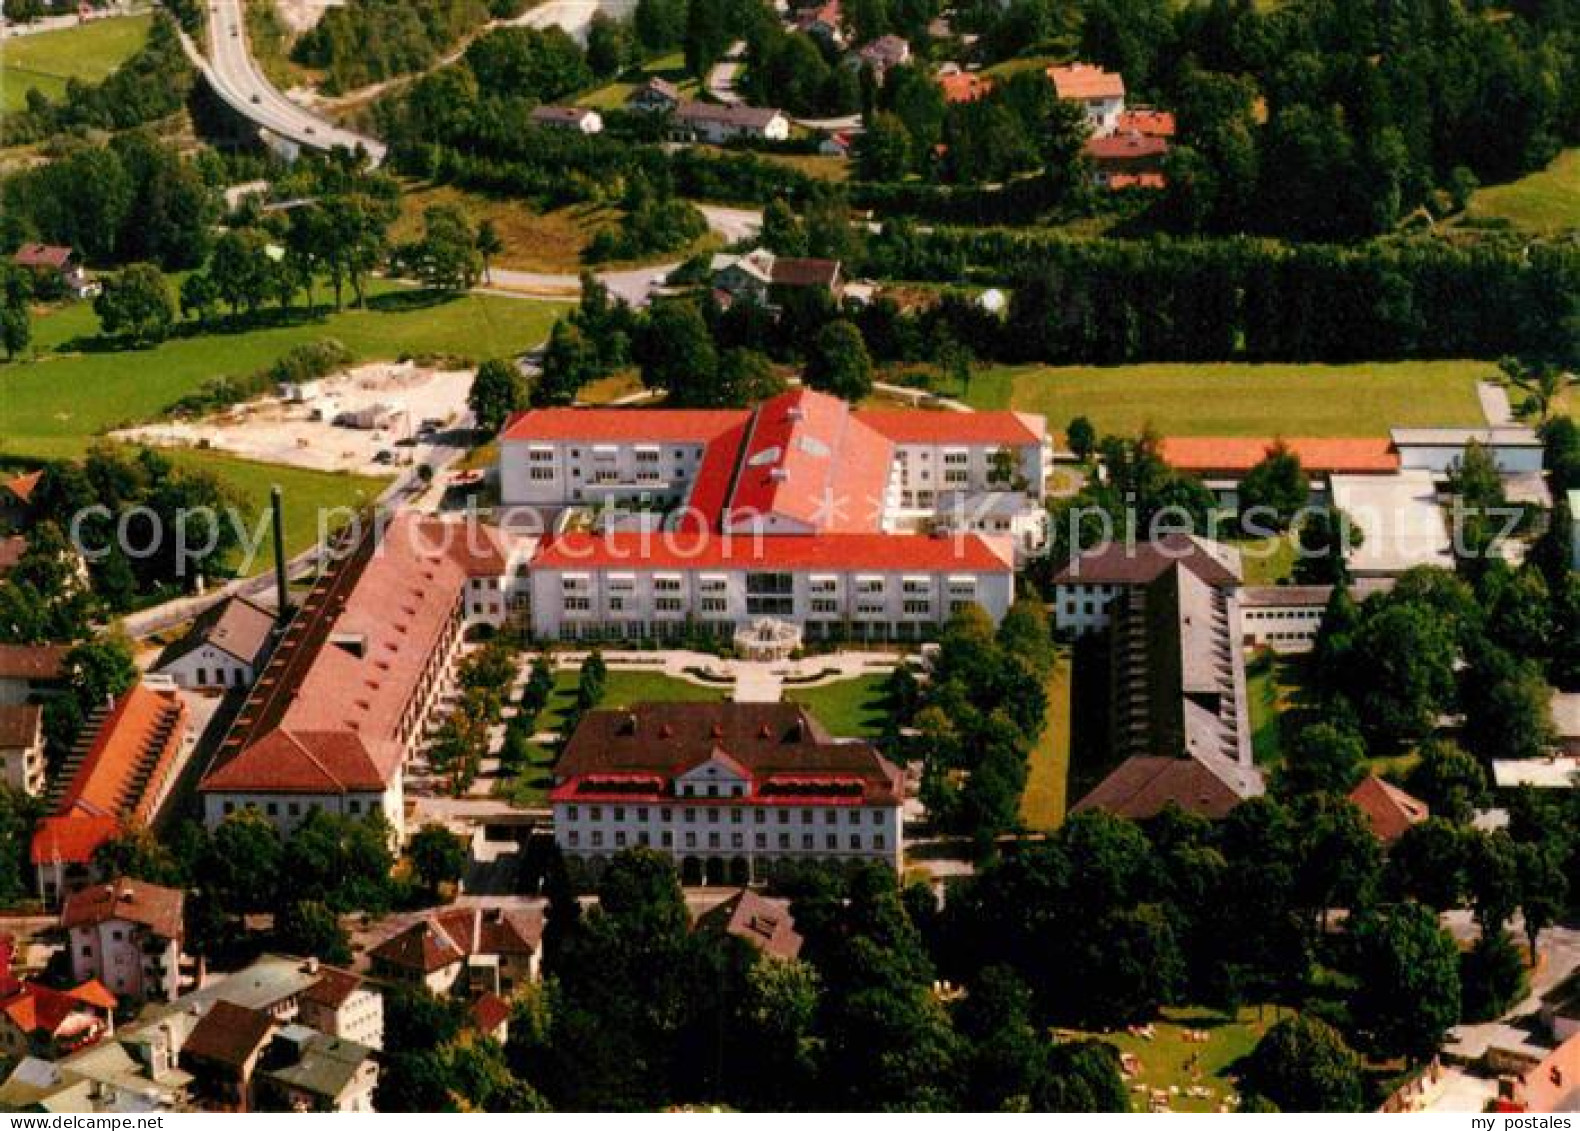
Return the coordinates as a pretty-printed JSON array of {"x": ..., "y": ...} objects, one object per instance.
[{"x": 208, "y": 666}]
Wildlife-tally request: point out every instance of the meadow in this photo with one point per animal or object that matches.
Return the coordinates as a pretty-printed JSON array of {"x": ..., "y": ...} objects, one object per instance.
[{"x": 46, "y": 61}]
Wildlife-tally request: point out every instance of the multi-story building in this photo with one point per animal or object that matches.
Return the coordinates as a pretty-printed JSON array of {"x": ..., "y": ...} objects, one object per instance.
[
  {"x": 730, "y": 791},
  {"x": 352, "y": 684},
  {"x": 32, "y": 672},
  {"x": 1100, "y": 93},
  {"x": 118, "y": 775},
  {"x": 1287, "y": 618},
  {"x": 1084, "y": 590},
  {"x": 469, "y": 949},
  {"x": 128, "y": 935},
  {"x": 802, "y": 510},
  {"x": 226, "y": 647},
  {"x": 22, "y": 747}
]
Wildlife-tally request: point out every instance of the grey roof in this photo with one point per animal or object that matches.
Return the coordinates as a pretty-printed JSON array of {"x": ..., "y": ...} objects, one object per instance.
[
  {"x": 326, "y": 1065},
  {"x": 743, "y": 117},
  {"x": 1507, "y": 435},
  {"x": 238, "y": 627},
  {"x": 1139, "y": 563},
  {"x": 1307, "y": 596}
]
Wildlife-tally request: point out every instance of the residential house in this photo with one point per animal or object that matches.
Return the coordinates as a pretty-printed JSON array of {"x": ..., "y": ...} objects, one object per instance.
[
  {"x": 36, "y": 1020},
  {"x": 1127, "y": 160},
  {"x": 22, "y": 747},
  {"x": 1100, "y": 93},
  {"x": 763, "y": 277},
  {"x": 1147, "y": 122},
  {"x": 964, "y": 86},
  {"x": 489, "y": 1015},
  {"x": 883, "y": 53},
  {"x": 717, "y": 124},
  {"x": 16, "y": 499},
  {"x": 732, "y": 792},
  {"x": 32, "y": 672},
  {"x": 823, "y": 21},
  {"x": 464, "y": 949},
  {"x": 226, "y": 647},
  {"x": 56, "y": 266},
  {"x": 117, "y": 776},
  {"x": 222, "y": 1053},
  {"x": 128, "y": 935},
  {"x": 348, "y": 692},
  {"x": 762, "y": 923},
  {"x": 307, "y": 1071},
  {"x": 343, "y": 1005},
  {"x": 578, "y": 119},
  {"x": 1389, "y": 810},
  {"x": 656, "y": 95}
]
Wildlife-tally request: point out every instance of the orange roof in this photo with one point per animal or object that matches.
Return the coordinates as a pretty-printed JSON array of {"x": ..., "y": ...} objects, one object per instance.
[
  {"x": 72, "y": 839},
  {"x": 1137, "y": 180},
  {"x": 1083, "y": 80},
  {"x": 964, "y": 86},
  {"x": 916, "y": 426},
  {"x": 615, "y": 425},
  {"x": 1206, "y": 455},
  {"x": 1388, "y": 809},
  {"x": 1126, "y": 147},
  {"x": 94, "y": 992},
  {"x": 22, "y": 486},
  {"x": 1148, "y": 122}
]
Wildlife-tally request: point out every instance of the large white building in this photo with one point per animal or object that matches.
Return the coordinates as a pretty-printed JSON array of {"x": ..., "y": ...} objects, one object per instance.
[
  {"x": 730, "y": 791},
  {"x": 353, "y": 682},
  {"x": 802, "y": 510},
  {"x": 1085, "y": 589}
]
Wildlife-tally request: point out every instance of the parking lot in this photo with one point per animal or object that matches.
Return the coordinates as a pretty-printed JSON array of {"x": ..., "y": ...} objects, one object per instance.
[{"x": 391, "y": 402}]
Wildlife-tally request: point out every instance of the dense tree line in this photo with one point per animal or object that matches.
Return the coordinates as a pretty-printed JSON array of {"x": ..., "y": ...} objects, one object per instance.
[
  {"x": 367, "y": 41},
  {"x": 153, "y": 84},
  {"x": 135, "y": 199}
]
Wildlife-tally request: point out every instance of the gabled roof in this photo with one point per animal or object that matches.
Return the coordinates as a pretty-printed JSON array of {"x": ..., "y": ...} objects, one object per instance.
[
  {"x": 1126, "y": 147},
  {"x": 293, "y": 761},
  {"x": 967, "y": 429},
  {"x": 35, "y": 662},
  {"x": 42, "y": 255},
  {"x": 1144, "y": 120},
  {"x": 1144, "y": 786},
  {"x": 333, "y": 987},
  {"x": 1389, "y": 810},
  {"x": 444, "y": 939},
  {"x": 236, "y": 626},
  {"x": 738, "y": 116},
  {"x": 489, "y": 1012},
  {"x": 621, "y": 425},
  {"x": 762, "y": 922},
  {"x": 229, "y": 1035},
  {"x": 21, "y": 487},
  {"x": 20, "y": 726},
  {"x": 793, "y": 271},
  {"x": 36, "y": 1009},
  {"x": 1323, "y": 454},
  {"x": 133, "y": 901},
  {"x": 1083, "y": 80},
  {"x": 1119, "y": 563}
]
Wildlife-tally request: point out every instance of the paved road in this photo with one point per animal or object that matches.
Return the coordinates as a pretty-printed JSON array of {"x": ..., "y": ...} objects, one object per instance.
[
  {"x": 235, "y": 77},
  {"x": 12, "y": 30},
  {"x": 721, "y": 77}
]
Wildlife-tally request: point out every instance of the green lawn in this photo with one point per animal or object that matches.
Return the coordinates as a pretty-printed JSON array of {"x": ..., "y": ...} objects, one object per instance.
[
  {"x": 530, "y": 787},
  {"x": 1043, "y": 804},
  {"x": 1267, "y": 561},
  {"x": 306, "y": 496},
  {"x": 850, "y": 708},
  {"x": 74, "y": 387},
  {"x": 1547, "y": 201},
  {"x": 613, "y": 95},
  {"x": 44, "y": 62},
  {"x": 624, "y": 688},
  {"x": 1243, "y": 400},
  {"x": 1169, "y": 1060}
]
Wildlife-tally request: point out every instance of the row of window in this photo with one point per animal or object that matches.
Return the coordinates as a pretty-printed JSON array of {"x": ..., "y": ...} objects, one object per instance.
[
  {"x": 666, "y": 814},
  {"x": 877, "y": 842}
]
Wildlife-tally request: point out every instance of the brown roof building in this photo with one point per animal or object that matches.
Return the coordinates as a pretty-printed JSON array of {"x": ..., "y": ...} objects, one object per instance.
[
  {"x": 492, "y": 951},
  {"x": 1389, "y": 810},
  {"x": 222, "y": 1054},
  {"x": 763, "y": 923}
]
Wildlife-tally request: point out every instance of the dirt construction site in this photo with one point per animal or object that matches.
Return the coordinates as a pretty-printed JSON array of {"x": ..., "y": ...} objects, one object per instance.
[{"x": 364, "y": 420}]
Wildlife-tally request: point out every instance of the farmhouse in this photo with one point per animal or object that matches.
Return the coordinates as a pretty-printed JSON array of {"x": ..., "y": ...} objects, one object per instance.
[
  {"x": 225, "y": 647},
  {"x": 714, "y": 124}
]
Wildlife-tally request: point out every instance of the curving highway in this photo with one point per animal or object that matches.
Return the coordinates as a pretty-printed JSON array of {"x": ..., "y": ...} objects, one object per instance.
[{"x": 235, "y": 77}]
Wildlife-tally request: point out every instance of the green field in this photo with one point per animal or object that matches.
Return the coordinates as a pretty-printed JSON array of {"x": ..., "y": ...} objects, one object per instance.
[
  {"x": 1548, "y": 201},
  {"x": 74, "y": 388},
  {"x": 87, "y": 53},
  {"x": 1043, "y": 804},
  {"x": 1168, "y": 1060},
  {"x": 1242, "y": 400},
  {"x": 613, "y": 95},
  {"x": 850, "y": 708}
]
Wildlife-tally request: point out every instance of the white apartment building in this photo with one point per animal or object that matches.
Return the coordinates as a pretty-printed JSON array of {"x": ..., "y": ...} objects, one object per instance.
[
  {"x": 1084, "y": 590},
  {"x": 128, "y": 935},
  {"x": 730, "y": 791}
]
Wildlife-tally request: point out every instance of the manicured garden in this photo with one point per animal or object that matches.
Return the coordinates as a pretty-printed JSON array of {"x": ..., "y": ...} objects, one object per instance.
[
  {"x": 623, "y": 687},
  {"x": 850, "y": 708},
  {"x": 46, "y": 61}
]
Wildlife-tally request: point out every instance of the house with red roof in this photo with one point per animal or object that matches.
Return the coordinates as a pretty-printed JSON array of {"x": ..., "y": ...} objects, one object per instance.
[
  {"x": 55, "y": 266},
  {"x": 472, "y": 949},
  {"x": 1127, "y": 160},
  {"x": 762, "y": 923},
  {"x": 732, "y": 792},
  {"x": 117, "y": 776},
  {"x": 878, "y": 524},
  {"x": 1389, "y": 810},
  {"x": 1100, "y": 93},
  {"x": 964, "y": 86},
  {"x": 36, "y": 1020},
  {"x": 127, "y": 935},
  {"x": 349, "y": 689}
]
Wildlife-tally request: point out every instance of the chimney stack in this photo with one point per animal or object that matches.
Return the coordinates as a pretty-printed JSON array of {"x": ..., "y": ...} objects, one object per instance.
[{"x": 281, "y": 584}]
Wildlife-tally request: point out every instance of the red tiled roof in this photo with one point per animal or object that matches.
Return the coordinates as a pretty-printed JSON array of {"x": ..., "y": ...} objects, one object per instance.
[
  {"x": 489, "y": 1012},
  {"x": 446, "y": 938},
  {"x": 763, "y": 923},
  {"x": 918, "y": 426},
  {"x": 157, "y": 908},
  {"x": 118, "y": 778},
  {"x": 36, "y": 1009},
  {"x": 293, "y": 761},
  {"x": 1143, "y": 787},
  {"x": 791, "y": 271},
  {"x": 333, "y": 987},
  {"x": 1152, "y": 123},
  {"x": 635, "y": 753},
  {"x": 617, "y": 425},
  {"x": 913, "y": 553},
  {"x": 1083, "y": 80},
  {"x": 1125, "y": 147},
  {"x": 228, "y": 1034},
  {"x": 1118, "y": 181},
  {"x": 1237, "y": 454},
  {"x": 964, "y": 86},
  {"x": 94, "y": 992},
  {"x": 21, "y": 487},
  {"x": 42, "y": 255},
  {"x": 1389, "y": 810},
  {"x": 39, "y": 662}
]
